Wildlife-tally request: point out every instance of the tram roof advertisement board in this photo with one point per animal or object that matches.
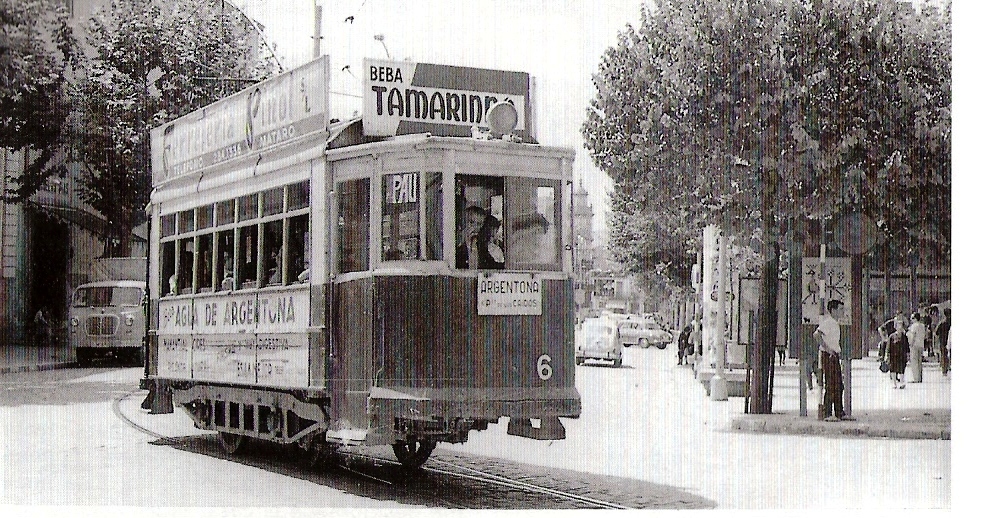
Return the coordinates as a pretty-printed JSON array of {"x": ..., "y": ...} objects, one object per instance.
[
  {"x": 402, "y": 97},
  {"x": 265, "y": 115}
]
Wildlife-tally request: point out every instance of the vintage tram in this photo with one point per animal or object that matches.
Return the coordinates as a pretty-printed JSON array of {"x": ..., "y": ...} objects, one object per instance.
[{"x": 310, "y": 284}]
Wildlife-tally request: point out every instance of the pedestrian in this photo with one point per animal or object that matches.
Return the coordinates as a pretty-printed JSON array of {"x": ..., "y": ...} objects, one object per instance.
[
  {"x": 942, "y": 334},
  {"x": 683, "y": 343},
  {"x": 42, "y": 327},
  {"x": 695, "y": 349},
  {"x": 916, "y": 341},
  {"x": 929, "y": 317},
  {"x": 827, "y": 335},
  {"x": 781, "y": 353},
  {"x": 884, "y": 331},
  {"x": 897, "y": 352}
]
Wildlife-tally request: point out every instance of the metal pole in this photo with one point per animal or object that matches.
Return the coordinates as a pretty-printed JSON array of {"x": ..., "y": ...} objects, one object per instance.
[{"x": 316, "y": 44}]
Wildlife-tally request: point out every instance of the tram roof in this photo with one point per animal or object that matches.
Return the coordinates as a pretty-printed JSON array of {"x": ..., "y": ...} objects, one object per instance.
[
  {"x": 114, "y": 284},
  {"x": 341, "y": 139}
]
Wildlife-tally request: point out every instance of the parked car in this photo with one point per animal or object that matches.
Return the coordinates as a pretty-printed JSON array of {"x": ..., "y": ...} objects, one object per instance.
[
  {"x": 643, "y": 333},
  {"x": 597, "y": 339}
]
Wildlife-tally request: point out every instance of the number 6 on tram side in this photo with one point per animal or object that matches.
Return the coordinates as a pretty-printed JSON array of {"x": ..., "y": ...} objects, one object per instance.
[{"x": 350, "y": 292}]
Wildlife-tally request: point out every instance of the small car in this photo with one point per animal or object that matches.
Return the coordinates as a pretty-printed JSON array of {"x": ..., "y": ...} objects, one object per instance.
[
  {"x": 643, "y": 333},
  {"x": 597, "y": 339}
]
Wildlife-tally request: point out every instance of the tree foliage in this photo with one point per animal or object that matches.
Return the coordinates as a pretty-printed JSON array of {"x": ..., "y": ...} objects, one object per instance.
[
  {"x": 838, "y": 105},
  {"x": 149, "y": 62},
  {"x": 36, "y": 50}
]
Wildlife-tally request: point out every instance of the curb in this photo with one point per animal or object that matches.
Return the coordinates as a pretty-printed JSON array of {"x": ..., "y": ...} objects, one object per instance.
[
  {"x": 34, "y": 368},
  {"x": 811, "y": 426}
]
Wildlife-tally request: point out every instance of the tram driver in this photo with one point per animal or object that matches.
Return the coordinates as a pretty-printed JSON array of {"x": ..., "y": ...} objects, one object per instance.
[{"x": 477, "y": 242}]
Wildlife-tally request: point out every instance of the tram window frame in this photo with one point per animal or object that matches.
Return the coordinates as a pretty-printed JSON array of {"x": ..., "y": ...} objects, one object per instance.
[
  {"x": 298, "y": 195},
  {"x": 225, "y": 254},
  {"x": 247, "y": 207},
  {"x": 272, "y": 238},
  {"x": 225, "y": 212},
  {"x": 204, "y": 217},
  {"x": 273, "y": 201},
  {"x": 185, "y": 221},
  {"x": 204, "y": 271},
  {"x": 517, "y": 194},
  {"x": 247, "y": 256},
  {"x": 486, "y": 192},
  {"x": 168, "y": 225},
  {"x": 168, "y": 266},
  {"x": 185, "y": 264},
  {"x": 423, "y": 204},
  {"x": 401, "y": 216},
  {"x": 298, "y": 249},
  {"x": 202, "y": 258},
  {"x": 353, "y": 224},
  {"x": 510, "y": 199}
]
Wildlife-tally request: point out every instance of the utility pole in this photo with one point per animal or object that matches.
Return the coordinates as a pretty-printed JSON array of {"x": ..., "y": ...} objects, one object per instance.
[{"x": 316, "y": 44}]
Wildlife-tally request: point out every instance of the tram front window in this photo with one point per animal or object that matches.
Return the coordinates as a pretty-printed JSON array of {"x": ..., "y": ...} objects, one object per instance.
[
  {"x": 403, "y": 236},
  {"x": 507, "y": 222}
]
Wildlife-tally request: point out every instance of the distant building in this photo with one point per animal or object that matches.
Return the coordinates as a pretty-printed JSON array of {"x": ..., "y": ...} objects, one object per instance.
[
  {"x": 583, "y": 216},
  {"x": 48, "y": 244}
]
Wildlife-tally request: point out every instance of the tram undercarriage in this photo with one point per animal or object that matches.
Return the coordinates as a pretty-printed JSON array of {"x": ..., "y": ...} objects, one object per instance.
[{"x": 413, "y": 425}]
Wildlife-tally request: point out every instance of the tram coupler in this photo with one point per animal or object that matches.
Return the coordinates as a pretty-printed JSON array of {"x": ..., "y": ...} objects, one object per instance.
[{"x": 549, "y": 429}]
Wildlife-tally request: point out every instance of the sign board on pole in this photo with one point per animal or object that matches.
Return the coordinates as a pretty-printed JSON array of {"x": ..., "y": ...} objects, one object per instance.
[
  {"x": 838, "y": 286},
  {"x": 402, "y": 97}
]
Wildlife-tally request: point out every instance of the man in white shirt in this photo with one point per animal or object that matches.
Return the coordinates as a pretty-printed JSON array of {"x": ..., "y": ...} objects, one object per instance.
[
  {"x": 827, "y": 335},
  {"x": 916, "y": 340}
]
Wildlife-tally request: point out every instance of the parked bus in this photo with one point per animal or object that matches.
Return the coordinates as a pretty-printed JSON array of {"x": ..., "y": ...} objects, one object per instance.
[
  {"x": 107, "y": 321},
  {"x": 322, "y": 291}
]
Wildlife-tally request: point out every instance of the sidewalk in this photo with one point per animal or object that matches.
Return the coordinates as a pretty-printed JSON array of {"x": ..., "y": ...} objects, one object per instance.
[
  {"x": 26, "y": 358},
  {"x": 919, "y": 411}
]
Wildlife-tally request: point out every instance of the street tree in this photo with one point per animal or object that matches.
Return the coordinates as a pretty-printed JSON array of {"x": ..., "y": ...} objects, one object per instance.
[
  {"x": 36, "y": 50},
  {"x": 760, "y": 114},
  {"x": 149, "y": 62}
]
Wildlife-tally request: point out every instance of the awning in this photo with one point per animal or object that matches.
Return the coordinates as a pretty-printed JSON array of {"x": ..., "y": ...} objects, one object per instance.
[{"x": 79, "y": 217}]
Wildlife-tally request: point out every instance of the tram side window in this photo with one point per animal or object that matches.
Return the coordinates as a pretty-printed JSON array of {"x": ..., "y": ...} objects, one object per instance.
[
  {"x": 185, "y": 265},
  {"x": 247, "y": 257},
  {"x": 273, "y": 252},
  {"x": 353, "y": 225},
  {"x": 226, "y": 252},
  {"x": 479, "y": 202},
  {"x": 205, "y": 274},
  {"x": 168, "y": 278},
  {"x": 434, "y": 193},
  {"x": 298, "y": 249}
]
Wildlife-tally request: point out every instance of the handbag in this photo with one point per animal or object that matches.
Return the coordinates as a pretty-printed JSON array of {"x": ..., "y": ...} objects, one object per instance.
[{"x": 883, "y": 367}]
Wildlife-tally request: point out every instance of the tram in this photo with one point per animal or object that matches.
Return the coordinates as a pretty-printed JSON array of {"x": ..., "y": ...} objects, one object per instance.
[{"x": 316, "y": 285}]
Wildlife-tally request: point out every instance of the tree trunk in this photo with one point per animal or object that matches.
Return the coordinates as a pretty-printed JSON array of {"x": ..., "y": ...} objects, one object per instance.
[
  {"x": 888, "y": 310},
  {"x": 763, "y": 352},
  {"x": 765, "y": 337}
]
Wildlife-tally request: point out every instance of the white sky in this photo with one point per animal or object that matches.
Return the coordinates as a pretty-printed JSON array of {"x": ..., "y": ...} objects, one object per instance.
[{"x": 558, "y": 42}]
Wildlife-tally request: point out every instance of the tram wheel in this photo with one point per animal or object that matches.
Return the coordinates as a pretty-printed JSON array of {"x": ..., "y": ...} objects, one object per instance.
[
  {"x": 413, "y": 454},
  {"x": 231, "y": 442}
]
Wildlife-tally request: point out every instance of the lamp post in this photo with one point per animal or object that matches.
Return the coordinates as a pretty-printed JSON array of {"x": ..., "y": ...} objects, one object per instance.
[{"x": 381, "y": 38}]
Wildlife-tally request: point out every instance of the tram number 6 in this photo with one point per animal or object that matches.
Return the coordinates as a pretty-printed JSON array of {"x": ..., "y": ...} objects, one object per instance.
[{"x": 544, "y": 368}]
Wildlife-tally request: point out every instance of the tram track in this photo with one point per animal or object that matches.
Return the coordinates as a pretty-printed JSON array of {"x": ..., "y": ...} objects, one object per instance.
[{"x": 434, "y": 466}]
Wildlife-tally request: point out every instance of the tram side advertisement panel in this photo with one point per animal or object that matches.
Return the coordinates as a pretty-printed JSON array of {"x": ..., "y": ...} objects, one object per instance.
[{"x": 243, "y": 338}]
